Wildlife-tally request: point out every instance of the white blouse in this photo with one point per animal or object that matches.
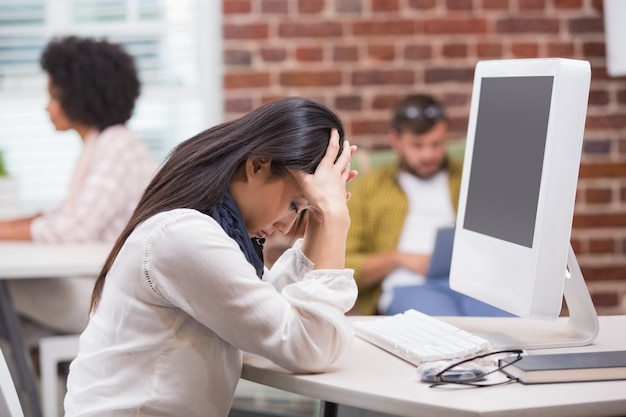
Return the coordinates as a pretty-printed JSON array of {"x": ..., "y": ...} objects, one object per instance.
[{"x": 179, "y": 306}]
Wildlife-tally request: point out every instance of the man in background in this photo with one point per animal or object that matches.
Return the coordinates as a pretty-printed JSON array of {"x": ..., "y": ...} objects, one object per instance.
[{"x": 396, "y": 211}]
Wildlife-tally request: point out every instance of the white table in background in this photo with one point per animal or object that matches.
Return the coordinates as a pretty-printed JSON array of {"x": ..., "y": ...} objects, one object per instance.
[{"x": 27, "y": 260}]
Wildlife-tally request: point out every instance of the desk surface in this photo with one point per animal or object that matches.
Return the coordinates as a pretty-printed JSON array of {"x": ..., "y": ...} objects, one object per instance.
[
  {"x": 368, "y": 378},
  {"x": 20, "y": 260}
]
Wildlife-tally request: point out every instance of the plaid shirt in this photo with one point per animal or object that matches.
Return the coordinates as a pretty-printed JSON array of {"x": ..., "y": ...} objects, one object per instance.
[{"x": 111, "y": 173}]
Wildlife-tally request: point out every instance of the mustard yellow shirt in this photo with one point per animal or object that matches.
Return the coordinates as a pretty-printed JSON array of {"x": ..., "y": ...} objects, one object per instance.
[{"x": 378, "y": 207}]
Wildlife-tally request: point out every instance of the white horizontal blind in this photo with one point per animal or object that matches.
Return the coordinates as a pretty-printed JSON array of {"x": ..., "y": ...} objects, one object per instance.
[{"x": 172, "y": 42}]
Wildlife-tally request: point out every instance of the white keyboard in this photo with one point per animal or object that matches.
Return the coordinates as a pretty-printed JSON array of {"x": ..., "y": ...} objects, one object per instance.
[{"x": 417, "y": 337}]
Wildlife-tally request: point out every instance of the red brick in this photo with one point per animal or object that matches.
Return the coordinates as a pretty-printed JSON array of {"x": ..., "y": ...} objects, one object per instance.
[
  {"x": 237, "y": 57},
  {"x": 439, "y": 75},
  {"x": 489, "y": 50},
  {"x": 602, "y": 246},
  {"x": 456, "y": 50},
  {"x": 602, "y": 220},
  {"x": 594, "y": 49},
  {"x": 495, "y": 4},
  {"x": 568, "y": 4},
  {"x": 253, "y": 31},
  {"x": 621, "y": 146},
  {"x": 598, "y": 195},
  {"x": 609, "y": 121},
  {"x": 454, "y": 99},
  {"x": 236, "y": 6},
  {"x": 605, "y": 299},
  {"x": 310, "y": 6},
  {"x": 598, "y": 97},
  {"x": 561, "y": 50},
  {"x": 422, "y": 4},
  {"x": 348, "y": 6},
  {"x": 418, "y": 52},
  {"x": 455, "y": 26},
  {"x": 279, "y": 7},
  {"x": 598, "y": 72},
  {"x": 310, "y": 30},
  {"x": 246, "y": 80},
  {"x": 457, "y": 126},
  {"x": 271, "y": 97},
  {"x": 369, "y": 127},
  {"x": 384, "y": 28},
  {"x": 385, "y": 102},
  {"x": 353, "y": 102},
  {"x": 525, "y": 50},
  {"x": 273, "y": 54},
  {"x": 532, "y": 4},
  {"x": 459, "y": 4},
  {"x": 382, "y": 77},
  {"x": 604, "y": 272},
  {"x": 576, "y": 245},
  {"x": 621, "y": 96},
  {"x": 586, "y": 25},
  {"x": 385, "y": 5},
  {"x": 597, "y": 5},
  {"x": 529, "y": 25},
  {"x": 238, "y": 105},
  {"x": 381, "y": 52},
  {"x": 309, "y": 54},
  {"x": 310, "y": 78},
  {"x": 345, "y": 54},
  {"x": 602, "y": 170},
  {"x": 597, "y": 147}
]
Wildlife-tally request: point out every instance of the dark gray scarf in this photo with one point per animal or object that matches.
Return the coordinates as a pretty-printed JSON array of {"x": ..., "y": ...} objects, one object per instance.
[{"x": 227, "y": 214}]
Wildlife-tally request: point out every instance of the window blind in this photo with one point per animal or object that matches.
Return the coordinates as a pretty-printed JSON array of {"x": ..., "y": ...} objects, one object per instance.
[{"x": 180, "y": 95}]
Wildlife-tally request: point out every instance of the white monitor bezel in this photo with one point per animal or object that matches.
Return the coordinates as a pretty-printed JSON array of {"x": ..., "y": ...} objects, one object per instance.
[{"x": 528, "y": 282}]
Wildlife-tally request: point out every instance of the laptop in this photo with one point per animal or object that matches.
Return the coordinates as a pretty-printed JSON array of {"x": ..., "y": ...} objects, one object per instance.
[{"x": 442, "y": 254}]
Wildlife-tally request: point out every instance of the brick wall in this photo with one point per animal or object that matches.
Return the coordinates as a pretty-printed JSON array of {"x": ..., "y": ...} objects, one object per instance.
[{"x": 359, "y": 56}]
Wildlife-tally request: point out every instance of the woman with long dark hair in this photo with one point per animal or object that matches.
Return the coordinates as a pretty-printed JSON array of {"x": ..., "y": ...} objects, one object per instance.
[{"x": 184, "y": 290}]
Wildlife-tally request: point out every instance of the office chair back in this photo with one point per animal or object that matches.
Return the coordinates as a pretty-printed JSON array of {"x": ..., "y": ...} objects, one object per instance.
[{"x": 9, "y": 401}]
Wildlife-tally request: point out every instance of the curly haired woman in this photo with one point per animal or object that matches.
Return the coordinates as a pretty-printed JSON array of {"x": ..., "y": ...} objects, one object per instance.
[{"x": 92, "y": 86}]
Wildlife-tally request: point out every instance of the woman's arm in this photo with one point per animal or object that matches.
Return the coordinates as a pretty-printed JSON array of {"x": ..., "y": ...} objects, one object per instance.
[
  {"x": 17, "y": 229},
  {"x": 324, "y": 240},
  {"x": 190, "y": 262}
]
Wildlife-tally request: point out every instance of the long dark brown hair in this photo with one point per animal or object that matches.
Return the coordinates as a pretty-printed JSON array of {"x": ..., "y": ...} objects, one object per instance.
[{"x": 292, "y": 132}]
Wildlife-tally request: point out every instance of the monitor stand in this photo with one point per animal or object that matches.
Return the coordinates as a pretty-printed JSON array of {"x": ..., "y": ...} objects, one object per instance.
[{"x": 580, "y": 329}]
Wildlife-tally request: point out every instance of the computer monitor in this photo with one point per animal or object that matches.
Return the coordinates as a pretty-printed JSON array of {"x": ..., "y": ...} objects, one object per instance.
[{"x": 512, "y": 239}]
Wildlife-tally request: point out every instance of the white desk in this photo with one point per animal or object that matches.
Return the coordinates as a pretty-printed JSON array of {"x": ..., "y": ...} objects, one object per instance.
[
  {"x": 368, "y": 378},
  {"x": 24, "y": 260},
  {"x": 31, "y": 260}
]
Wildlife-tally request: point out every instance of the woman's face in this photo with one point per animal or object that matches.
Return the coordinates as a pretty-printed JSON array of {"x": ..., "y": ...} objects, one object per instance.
[
  {"x": 268, "y": 204},
  {"x": 57, "y": 115}
]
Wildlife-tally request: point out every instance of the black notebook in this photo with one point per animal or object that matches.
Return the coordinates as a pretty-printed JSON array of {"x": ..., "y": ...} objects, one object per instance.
[{"x": 568, "y": 367}]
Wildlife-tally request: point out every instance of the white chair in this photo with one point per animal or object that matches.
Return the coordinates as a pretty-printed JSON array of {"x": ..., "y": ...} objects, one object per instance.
[
  {"x": 9, "y": 401},
  {"x": 52, "y": 350}
]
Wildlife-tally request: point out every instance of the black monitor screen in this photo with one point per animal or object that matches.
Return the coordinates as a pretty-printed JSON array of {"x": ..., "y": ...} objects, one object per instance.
[{"x": 507, "y": 160}]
